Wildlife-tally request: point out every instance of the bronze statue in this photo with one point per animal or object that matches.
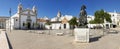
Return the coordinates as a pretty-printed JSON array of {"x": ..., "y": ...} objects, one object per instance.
[{"x": 83, "y": 17}]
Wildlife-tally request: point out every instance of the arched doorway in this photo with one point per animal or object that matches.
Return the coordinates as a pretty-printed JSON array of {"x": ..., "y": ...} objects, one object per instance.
[
  {"x": 64, "y": 26},
  {"x": 29, "y": 25}
]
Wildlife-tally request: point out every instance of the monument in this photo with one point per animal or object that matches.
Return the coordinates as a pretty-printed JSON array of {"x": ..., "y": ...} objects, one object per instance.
[
  {"x": 82, "y": 32},
  {"x": 83, "y": 17}
]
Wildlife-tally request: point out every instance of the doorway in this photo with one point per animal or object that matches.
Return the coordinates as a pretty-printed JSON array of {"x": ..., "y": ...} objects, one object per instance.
[
  {"x": 64, "y": 26},
  {"x": 29, "y": 25}
]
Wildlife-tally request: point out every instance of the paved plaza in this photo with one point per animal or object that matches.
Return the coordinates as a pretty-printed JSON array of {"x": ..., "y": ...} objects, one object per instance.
[{"x": 22, "y": 39}]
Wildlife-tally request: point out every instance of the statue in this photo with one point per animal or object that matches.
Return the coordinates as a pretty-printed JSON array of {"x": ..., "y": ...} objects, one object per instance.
[{"x": 83, "y": 17}]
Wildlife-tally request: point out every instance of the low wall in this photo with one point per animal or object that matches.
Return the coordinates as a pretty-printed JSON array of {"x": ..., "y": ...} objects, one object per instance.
[
  {"x": 93, "y": 32},
  {"x": 96, "y": 32},
  {"x": 53, "y": 32},
  {"x": 3, "y": 40}
]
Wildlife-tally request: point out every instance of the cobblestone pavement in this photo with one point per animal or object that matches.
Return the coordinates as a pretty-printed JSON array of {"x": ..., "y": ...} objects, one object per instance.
[{"x": 22, "y": 39}]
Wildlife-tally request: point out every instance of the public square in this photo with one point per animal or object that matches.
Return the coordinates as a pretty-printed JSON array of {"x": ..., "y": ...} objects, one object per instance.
[
  {"x": 59, "y": 24},
  {"x": 22, "y": 39}
]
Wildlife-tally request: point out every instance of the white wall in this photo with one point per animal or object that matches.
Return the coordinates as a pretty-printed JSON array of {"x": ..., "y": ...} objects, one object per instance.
[
  {"x": 115, "y": 17},
  {"x": 67, "y": 26},
  {"x": 92, "y": 25},
  {"x": 16, "y": 23},
  {"x": 33, "y": 18},
  {"x": 89, "y": 18},
  {"x": 56, "y": 25},
  {"x": 7, "y": 24},
  {"x": 47, "y": 26},
  {"x": 42, "y": 25},
  {"x": 24, "y": 18}
]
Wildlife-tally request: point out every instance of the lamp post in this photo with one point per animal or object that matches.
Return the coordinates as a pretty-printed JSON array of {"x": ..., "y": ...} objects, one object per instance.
[
  {"x": 10, "y": 19},
  {"x": 49, "y": 29}
]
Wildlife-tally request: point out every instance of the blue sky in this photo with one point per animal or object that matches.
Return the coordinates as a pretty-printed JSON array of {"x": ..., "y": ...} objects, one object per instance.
[{"x": 50, "y": 8}]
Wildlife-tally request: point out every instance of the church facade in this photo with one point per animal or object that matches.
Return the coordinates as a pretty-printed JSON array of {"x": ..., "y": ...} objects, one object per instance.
[{"x": 23, "y": 19}]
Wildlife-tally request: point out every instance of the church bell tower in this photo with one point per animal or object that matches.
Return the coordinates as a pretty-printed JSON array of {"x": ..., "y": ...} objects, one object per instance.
[
  {"x": 34, "y": 9},
  {"x": 19, "y": 8},
  {"x": 35, "y": 12},
  {"x": 58, "y": 15},
  {"x": 19, "y": 13}
]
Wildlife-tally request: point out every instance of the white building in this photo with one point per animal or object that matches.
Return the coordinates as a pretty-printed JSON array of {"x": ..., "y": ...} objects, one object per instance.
[
  {"x": 24, "y": 18},
  {"x": 89, "y": 18},
  {"x": 60, "y": 21},
  {"x": 115, "y": 17},
  {"x": 42, "y": 22},
  {"x": 3, "y": 22}
]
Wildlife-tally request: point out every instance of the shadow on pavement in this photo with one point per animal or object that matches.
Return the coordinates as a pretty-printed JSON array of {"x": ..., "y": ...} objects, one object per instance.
[
  {"x": 94, "y": 39},
  {"x": 10, "y": 46}
]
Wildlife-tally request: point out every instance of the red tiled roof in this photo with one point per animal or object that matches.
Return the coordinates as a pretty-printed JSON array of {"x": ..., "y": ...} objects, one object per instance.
[{"x": 41, "y": 20}]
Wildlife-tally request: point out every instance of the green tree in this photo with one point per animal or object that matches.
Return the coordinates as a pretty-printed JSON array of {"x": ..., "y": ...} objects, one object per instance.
[
  {"x": 100, "y": 15},
  {"x": 108, "y": 17},
  {"x": 48, "y": 23},
  {"x": 73, "y": 22},
  {"x": 92, "y": 22}
]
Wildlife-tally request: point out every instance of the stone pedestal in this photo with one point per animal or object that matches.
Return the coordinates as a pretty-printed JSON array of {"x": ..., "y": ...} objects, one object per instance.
[{"x": 81, "y": 35}]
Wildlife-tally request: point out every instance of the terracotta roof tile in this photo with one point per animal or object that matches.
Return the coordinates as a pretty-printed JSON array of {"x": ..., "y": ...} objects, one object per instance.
[{"x": 41, "y": 20}]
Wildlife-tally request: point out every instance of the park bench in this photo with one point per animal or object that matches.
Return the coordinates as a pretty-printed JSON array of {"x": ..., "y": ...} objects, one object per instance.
[
  {"x": 59, "y": 34},
  {"x": 112, "y": 31},
  {"x": 40, "y": 32}
]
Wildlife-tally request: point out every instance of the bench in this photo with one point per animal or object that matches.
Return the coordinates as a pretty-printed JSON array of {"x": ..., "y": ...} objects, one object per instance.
[
  {"x": 112, "y": 31},
  {"x": 59, "y": 34},
  {"x": 39, "y": 32}
]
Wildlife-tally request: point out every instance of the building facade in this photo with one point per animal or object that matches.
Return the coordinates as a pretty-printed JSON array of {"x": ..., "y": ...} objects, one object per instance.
[
  {"x": 24, "y": 18},
  {"x": 60, "y": 21},
  {"x": 89, "y": 18},
  {"x": 3, "y": 22},
  {"x": 115, "y": 17},
  {"x": 42, "y": 22}
]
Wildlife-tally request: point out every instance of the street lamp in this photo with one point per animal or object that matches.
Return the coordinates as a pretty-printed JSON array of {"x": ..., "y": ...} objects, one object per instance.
[
  {"x": 49, "y": 29},
  {"x": 10, "y": 18}
]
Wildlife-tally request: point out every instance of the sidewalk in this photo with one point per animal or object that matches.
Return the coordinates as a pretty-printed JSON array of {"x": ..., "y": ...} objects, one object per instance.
[{"x": 3, "y": 40}]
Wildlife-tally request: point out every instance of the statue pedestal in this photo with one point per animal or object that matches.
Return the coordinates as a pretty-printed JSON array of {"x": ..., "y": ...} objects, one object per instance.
[{"x": 81, "y": 35}]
